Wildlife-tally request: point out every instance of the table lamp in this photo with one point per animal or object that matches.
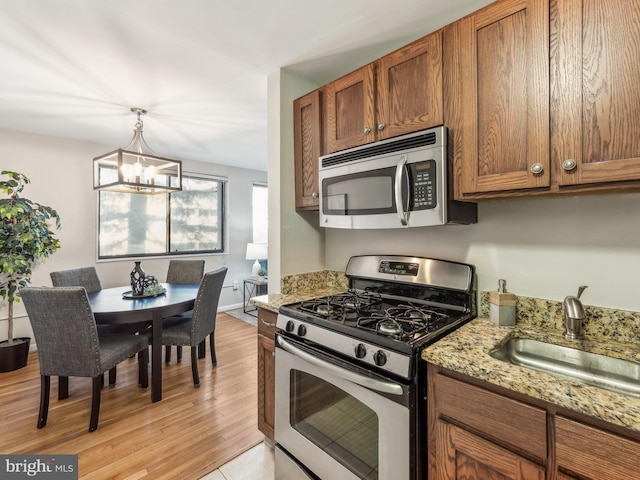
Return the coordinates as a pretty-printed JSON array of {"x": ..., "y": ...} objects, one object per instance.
[{"x": 256, "y": 251}]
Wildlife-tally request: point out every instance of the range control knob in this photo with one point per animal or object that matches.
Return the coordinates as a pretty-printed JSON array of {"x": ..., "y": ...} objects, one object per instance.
[
  {"x": 302, "y": 330},
  {"x": 361, "y": 351},
  {"x": 380, "y": 358},
  {"x": 290, "y": 326}
]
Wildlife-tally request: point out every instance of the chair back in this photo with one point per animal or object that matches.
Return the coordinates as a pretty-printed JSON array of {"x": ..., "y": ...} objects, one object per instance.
[
  {"x": 65, "y": 330},
  {"x": 206, "y": 305},
  {"x": 185, "y": 271},
  {"x": 86, "y": 277}
]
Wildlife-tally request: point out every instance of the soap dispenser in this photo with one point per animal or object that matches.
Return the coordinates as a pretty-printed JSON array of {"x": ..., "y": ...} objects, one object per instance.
[{"x": 502, "y": 306}]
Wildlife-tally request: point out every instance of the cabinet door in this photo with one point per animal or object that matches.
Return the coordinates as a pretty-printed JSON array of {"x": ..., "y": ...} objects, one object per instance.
[
  {"x": 595, "y": 90},
  {"x": 266, "y": 386},
  {"x": 463, "y": 455},
  {"x": 409, "y": 90},
  {"x": 350, "y": 110},
  {"x": 266, "y": 371},
  {"x": 587, "y": 452},
  {"x": 307, "y": 139},
  {"x": 497, "y": 97}
]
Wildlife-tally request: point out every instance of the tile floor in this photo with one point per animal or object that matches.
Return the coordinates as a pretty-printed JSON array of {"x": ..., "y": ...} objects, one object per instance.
[{"x": 255, "y": 464}]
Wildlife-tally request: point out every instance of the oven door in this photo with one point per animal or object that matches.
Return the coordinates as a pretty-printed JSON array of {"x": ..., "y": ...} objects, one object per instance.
[{"x": 338, "y": 420}]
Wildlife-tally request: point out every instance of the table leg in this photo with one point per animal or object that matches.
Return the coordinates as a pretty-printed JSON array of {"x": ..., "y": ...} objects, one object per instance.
[{"x": 156, "y": 358}]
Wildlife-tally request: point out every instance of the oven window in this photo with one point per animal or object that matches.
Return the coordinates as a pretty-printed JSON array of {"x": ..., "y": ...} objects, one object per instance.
[{"x": 335, "y": 421}]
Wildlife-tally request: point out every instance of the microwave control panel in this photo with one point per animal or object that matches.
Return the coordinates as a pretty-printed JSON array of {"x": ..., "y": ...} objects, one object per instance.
[{"x": 423, "y": 185}]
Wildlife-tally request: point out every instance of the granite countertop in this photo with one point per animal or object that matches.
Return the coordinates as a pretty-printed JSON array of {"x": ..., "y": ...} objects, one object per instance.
[
  {"x": 467, "y": 349},
  {"x": 303, "y": 286}
]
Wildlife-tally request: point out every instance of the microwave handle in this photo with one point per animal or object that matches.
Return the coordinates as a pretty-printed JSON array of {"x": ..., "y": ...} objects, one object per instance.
[
  {"x": 368, "y": 382},
  {"x": 400, "y": 168}
]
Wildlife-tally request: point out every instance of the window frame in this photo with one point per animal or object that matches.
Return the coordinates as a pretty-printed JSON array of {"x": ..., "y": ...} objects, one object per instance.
[{"x": 222, "y": 216}]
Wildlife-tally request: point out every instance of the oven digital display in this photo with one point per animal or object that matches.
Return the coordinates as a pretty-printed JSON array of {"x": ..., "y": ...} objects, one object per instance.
[{"x": 398, "y": 268}]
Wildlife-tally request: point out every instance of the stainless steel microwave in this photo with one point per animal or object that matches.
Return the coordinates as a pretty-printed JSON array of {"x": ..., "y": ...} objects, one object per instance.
[{"x": 396, "y": 183}]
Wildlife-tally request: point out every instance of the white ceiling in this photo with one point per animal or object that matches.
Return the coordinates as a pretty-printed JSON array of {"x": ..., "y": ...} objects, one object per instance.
[{"x": 73, "y": 68}]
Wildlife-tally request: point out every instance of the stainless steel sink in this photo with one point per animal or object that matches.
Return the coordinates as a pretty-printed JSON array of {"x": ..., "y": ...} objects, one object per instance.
[{"x": 622, "y": 376}]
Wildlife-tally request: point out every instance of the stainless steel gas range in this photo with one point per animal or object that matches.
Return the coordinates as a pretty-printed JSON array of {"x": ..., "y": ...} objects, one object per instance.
[{"x": 350, "y": 389}]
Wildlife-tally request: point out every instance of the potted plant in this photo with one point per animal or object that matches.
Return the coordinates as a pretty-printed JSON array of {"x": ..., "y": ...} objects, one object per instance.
[{"x": 25, "y": 237}]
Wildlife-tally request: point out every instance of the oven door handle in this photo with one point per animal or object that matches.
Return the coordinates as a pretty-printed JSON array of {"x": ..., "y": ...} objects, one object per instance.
[
  {"x": 400, "y": 168},
  {"x": 372, "y": 383}
]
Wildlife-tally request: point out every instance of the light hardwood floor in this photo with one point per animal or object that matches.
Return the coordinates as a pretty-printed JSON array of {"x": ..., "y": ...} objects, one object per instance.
[{"x": 186, "y": 435}]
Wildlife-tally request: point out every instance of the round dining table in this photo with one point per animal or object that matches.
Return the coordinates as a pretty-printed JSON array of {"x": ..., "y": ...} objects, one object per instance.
[{"x": 115, "y": 306}]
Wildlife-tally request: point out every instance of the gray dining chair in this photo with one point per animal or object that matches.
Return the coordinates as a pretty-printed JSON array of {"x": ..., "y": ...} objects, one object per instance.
[
  {"x": 88, "y": 278},
  {"x": 202, "y": 322},
  {"x": 68, "y": 343},
  {"x": 183, "y": 272}
]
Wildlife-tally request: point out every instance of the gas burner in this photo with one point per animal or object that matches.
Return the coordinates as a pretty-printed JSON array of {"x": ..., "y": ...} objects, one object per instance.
[
  {"x": 402, "y": 329},
  {"x": 416, "y": 313},
  {"x": 343, "y": 307},
  {"x": 353, "y": 299},
  {"x": 389, "y": 327}
]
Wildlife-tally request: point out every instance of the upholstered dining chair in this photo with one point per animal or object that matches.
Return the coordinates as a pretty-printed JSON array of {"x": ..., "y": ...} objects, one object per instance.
[
  {"x": 88, "y": 278},
  {"x": 183, "y": 272},
  {"x": 69, "y": 346},
  {"x": 194, "y": 330}
]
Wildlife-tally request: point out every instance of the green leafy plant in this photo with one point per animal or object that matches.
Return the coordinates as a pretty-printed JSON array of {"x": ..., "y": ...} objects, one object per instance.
[
  {"x": 154, "y": 290},
  {"x": 25, "y": 237},
  {"x": 262, "y": 273}
]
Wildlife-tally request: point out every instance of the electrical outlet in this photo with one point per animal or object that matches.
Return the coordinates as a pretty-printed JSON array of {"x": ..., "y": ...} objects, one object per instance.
[{"x": 235, "y": 285}]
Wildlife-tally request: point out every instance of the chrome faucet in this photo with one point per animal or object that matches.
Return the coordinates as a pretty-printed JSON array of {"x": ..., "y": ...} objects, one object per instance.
[{"x": 574, "y": 316}]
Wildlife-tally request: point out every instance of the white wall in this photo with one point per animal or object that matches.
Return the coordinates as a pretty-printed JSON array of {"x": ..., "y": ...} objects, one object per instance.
[
  {"x": 296, "y": 243},
  {"x": 61, "y": 174},
  {"x": 544, "y": 248}
]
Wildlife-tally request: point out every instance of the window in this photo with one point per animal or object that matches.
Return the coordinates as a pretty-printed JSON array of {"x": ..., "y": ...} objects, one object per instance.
[
  {"x": 190, "y": 221},
  {"x": 260, "y": 203}
]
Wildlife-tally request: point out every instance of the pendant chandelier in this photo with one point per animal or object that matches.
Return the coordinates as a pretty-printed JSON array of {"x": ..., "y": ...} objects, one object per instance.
[{"x": 136, "y": 168}]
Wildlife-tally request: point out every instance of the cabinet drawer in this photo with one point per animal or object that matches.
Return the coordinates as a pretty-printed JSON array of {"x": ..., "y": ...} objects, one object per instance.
[
  {"x": 577, "y": 445},
  {"x": 267, "y": 322},
  {"x": 505, "y": 421}
]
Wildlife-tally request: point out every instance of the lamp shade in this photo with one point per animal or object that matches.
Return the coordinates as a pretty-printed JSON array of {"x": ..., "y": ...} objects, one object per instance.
[{"x": 256, "y": 251}]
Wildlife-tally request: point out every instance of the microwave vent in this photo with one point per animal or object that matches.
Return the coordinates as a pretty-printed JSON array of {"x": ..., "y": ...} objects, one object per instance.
[{"x": 380, "y": 148}]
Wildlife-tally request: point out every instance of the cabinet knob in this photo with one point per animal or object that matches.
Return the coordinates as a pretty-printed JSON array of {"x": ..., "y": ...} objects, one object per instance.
[
  {"x": 381, "y": 126},
  {"x": 367, "y": 130},
  {"x": 314, "y": 195},
  {"x": 537, "y": 168},
  {"x": 569, "y": 164}
]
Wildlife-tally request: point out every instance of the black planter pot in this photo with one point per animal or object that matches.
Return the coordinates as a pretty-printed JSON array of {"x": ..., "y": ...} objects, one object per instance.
[{"x": 14, "y": 356}]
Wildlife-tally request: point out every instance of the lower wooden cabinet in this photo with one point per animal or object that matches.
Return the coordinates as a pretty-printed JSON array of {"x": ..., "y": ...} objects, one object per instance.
[
  {"x": 266, "y": 372},
  {"x": 466, "y": 456},
  {"x": 583, "y": 451},
  {"x": 479, "y": 431}
]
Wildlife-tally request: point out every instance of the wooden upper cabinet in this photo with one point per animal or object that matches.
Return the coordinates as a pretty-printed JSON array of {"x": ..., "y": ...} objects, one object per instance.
[
  {"x": 595, "y": 91},
  {"x": 350, "y": 110},
  {"x": 409, "y": 88},
  {"x": 496, "y": 93},
  {"x": 399, "y": 93},
  {"x": 307, "y": 140}
]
